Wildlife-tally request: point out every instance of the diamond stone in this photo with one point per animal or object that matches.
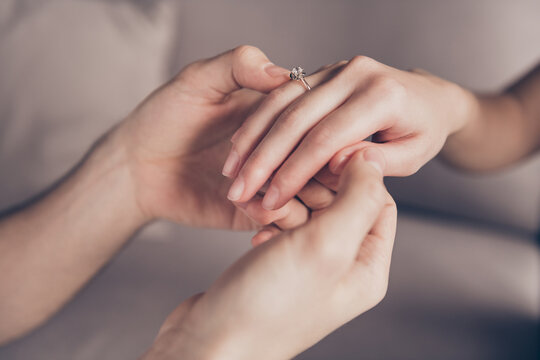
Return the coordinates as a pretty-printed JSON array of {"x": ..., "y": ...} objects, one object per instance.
[{"x": 297, "y": 73}]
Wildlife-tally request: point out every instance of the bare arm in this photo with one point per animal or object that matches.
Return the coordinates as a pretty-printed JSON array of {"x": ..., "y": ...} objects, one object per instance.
[
  {"x": 502, "y": 129},
  {"x": 49, "y": 249},
  {"x": 162, "y": 161}
]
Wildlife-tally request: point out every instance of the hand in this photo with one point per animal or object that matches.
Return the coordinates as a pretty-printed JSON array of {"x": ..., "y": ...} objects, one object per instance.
[
  {"x": 297, "y": 287},
  {"x": 177, "y": 138},
  {"x": 294, "y": 133},
  {"x": 312, "y": 198}
]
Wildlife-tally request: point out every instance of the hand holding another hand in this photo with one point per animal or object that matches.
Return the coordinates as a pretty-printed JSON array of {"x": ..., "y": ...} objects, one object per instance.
[
  {"x": 291, "y": 291},
  {"x": 176, "y": 140}
]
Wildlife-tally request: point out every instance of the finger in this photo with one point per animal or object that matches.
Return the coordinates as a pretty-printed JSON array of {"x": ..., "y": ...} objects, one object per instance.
[
  {"x": 316, "y": 196},
  {"x": 338, "y": 232},
  {"x": 265, "y": 234},
  {"x": 403, "y": 156},
  {"x": 291, "y": 215},
  {"x": 256, "y": 126},
  {"x": 376, "y": 249},
  {"x": 357, "y": 119},
  {"x": 340, "y": 159},
  {"x": 385, "y": 226},
  {"x": 372, "y": 265},
  {"x": 242, "y": 67},
  {"x": 327, "y": 178},
  {"x": 284, "y": 135}
]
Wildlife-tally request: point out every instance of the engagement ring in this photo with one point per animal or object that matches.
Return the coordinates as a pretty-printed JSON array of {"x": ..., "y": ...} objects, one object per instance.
[{"x": 297, "y": 73}]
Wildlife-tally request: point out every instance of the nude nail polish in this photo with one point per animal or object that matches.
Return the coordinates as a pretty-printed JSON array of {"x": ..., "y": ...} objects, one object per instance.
[
  {"x": 270, "y": 198},
  {"x": 236, "y": 190},
  {"x": 276, "y": 71},
  {"x": 376, "y": 158},
  {"x": 263, "y": 236},
  {"x": 229, "y": 168}
]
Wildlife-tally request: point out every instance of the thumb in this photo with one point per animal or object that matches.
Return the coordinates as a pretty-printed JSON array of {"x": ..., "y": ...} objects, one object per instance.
[
  {"x": 242, "y": 67},
  {"x": 360, "y": 198}
]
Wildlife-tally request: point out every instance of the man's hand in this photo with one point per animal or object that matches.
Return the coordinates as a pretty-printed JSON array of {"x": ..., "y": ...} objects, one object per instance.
[
  {"x": 297, "y": 287},
  {"x": 177, "y": 139},
  {"x": 164, "y": 160}
]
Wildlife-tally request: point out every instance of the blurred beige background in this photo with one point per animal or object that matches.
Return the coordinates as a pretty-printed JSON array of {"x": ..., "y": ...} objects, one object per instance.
[{"x": 465, "y": 278}]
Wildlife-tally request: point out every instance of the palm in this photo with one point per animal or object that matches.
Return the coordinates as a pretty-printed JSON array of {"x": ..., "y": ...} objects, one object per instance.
[{"x": 183, "y": 139}]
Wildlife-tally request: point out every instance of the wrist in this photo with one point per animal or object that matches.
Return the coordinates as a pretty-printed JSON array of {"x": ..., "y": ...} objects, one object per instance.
[
  {"x": 107, "y": 166},
  {"x": 465, "y": 111}
]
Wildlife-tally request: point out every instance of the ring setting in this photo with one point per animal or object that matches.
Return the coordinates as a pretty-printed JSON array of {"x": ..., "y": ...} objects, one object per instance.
[{"x": 298, "y": 74}]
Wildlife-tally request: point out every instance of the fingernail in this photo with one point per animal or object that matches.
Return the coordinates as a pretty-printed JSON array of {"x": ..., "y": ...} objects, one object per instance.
[
  {"x": 263, "y": 236},
  {"x": 237, "y": 188},
  {"x": 375, "y": 158},
  {"x": 337, "y": 168},
  {"x": 229, "y": 168},
  {"x": 276, "y": 71},
  {"x": 270, "y": 198}
]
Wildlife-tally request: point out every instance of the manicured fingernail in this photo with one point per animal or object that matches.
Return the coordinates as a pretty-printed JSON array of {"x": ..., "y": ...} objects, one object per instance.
[
  {"x": 276, "y": 71},
  {"x": 375, "y": 158},
  {"x": 237, "y": 188},
  {"x": 337, "y": 168},
  {"x": 261, "y": 237},
  {"x": 229, "y": 168},
  {"x": 270, "y": 198}
]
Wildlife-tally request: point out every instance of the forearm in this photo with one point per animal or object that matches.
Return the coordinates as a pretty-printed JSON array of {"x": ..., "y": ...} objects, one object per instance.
[
  {"x": 500, "y": 129},
  {"x": 49, "y": 249}
]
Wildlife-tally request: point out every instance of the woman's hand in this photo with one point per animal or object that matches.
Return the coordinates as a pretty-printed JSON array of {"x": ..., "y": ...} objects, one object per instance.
[
  {"x": 289, "y": 292},
  {"x": 295, "y": 132}
]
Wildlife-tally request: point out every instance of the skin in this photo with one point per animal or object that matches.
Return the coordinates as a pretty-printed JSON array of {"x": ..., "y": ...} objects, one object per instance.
[
  {"x": 409, "y": 114},
  {"x": 162, "y": 161},
  {"x": 309, "y": 280}
]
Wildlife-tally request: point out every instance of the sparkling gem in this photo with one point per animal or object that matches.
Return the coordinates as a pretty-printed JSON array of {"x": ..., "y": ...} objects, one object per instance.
[{"x": 297, "y": 73}]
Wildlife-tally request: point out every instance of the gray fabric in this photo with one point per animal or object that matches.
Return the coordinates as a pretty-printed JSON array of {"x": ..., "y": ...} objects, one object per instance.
[{"x": 71, "y": 69}]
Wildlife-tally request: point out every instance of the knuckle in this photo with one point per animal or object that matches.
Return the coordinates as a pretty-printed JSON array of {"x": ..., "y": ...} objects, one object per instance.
[
  {"x": 285, "y": 179},
  {"x": 277, "y": 98},
  {"x": 321, "y": 138},
  {"x": 289, "y": 118},
  {"x": 244, "y": 51},
  {"x": 190, "y": 71},
  {"x": 319, "y": 203},
  {"x": 361, "y": 62}
]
